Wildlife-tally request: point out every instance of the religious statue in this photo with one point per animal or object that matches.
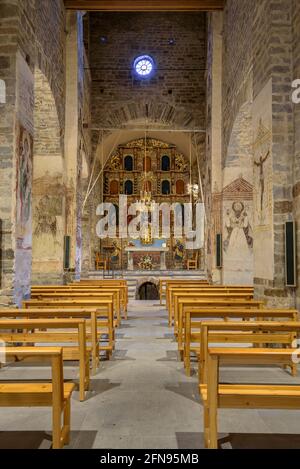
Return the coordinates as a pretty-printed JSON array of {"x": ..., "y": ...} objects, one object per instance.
[
  {"x": 116, "y": 252},
  {"x": 178, "y": 251}
]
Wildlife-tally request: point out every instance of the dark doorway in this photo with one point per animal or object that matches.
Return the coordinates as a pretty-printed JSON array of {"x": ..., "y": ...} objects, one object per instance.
[{"x": 148, "y": 291}]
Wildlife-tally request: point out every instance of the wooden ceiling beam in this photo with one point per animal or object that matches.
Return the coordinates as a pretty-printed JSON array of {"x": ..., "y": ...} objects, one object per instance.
[{"x": 145, "y": 5}]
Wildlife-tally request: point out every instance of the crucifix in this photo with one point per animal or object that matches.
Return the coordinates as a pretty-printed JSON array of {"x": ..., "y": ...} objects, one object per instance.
[{"x": 260, "y": 165}]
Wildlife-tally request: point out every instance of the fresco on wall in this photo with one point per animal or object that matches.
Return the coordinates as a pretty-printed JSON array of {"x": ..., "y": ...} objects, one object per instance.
[
  {"x": 24, "y": 187},
  {"x": 47, "y": 217},
  {"x": 263, "y": 176},
  {"x": 263, "y": 185},
  {"x": 238, "y": 232}
]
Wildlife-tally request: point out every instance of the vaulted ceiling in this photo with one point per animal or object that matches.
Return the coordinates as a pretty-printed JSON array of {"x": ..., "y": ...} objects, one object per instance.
[{"x": 145, "y": 5}]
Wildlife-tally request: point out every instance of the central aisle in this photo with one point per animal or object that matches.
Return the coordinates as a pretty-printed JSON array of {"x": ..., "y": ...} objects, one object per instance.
[{"x": 142, "y": 397}]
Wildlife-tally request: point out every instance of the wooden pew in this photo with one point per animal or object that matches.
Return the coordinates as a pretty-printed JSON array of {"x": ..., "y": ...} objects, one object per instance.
[
  {"x": 56, "y": 394},
  {"x": 104, "y": 308},
  {"x": 255, "y": 332},
  {"x": 244, "y": 396},
  {"x": 70, "y": 295},
  {"x": 107, "y": 282},
  {"x": 225, "y": 314},
  {"x": 164, "y": 282},
  {"x": 219, "y": 299},
  {"x": 183, "y": 283},
  {"x": 41, "y": 312},
  {"x": 28, "y": 331},
  {"x": 121, "y": 303},
  {"x": 176, "y": 294}
]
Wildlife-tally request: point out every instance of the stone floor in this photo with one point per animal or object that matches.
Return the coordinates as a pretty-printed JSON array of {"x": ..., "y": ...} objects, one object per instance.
[{"x": 142, "y": 399}]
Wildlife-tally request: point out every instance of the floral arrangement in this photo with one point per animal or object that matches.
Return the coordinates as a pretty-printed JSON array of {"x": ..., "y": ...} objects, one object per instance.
[{"x": 146, "y": 263}]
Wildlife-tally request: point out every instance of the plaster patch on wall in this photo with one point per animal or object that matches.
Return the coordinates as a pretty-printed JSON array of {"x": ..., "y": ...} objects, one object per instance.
[{"x": 263, "y": 185}]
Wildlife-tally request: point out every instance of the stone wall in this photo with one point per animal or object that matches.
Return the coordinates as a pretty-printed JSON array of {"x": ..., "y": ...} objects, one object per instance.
[
  {"x": 260, "y": 60},
  {"x": 8, "y": 48},
  {"x": 296, "y": 171},
  {"x": 174, "y": 96},
  {"x": 31, "y": 36}
]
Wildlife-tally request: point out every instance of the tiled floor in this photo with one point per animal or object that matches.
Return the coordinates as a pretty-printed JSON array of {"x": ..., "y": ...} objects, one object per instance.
[{"x": 142, "y": 399}]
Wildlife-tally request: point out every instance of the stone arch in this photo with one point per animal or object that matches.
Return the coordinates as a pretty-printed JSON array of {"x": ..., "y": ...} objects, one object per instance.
[
  {"x": 237, "y": 201},
  {"x": 48, "y": 194},
  {"x": 146, "y": 280}
]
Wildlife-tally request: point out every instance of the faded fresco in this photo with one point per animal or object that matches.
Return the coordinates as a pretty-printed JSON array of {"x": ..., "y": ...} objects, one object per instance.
[
  {"x": 263, "y": 185},
  {"x": 238, "y": 232},
  {"x": 47, "y": 218},
  {"x": 24, "y": 188}
]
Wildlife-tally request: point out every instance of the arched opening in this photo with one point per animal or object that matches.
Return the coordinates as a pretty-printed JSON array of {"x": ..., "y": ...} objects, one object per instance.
[
  {"x": 166, "y": 188},
  {"x": 128, "y": 163},
  {"x": 128, "y": 188},
  {"x": 148, "y": 291},
  {"x": 165, "y": 163},
  {"x": 48, "y": 200}
]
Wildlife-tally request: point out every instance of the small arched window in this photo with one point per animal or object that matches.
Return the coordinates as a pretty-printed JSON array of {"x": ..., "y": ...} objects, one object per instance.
[
  {"x": 165, "y": 163},
  {"x": 128, "y": 163},
  {"x": 166, "y": 188},
  {"x": 180, "y": 187},
  {"x": 114, "y": 188},
  {"x": 128, "y": 187}
]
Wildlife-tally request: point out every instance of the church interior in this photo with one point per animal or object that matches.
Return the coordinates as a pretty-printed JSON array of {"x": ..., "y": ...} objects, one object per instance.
[{"x": 149, "y": 224}]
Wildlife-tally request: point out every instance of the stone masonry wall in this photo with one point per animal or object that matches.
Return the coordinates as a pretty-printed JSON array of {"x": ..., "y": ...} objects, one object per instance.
[
  {"x": 178, "y": 86},
  {"x": 296, "y": 107},
  {"x": 31, "y": 35},
  {"x": 261, "y": 39}
]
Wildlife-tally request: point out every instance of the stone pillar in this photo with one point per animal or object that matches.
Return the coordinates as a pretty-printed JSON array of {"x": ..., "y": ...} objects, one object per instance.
[
  {"x": 73, "y": 154},
  {"x": 214, "y": 140}
]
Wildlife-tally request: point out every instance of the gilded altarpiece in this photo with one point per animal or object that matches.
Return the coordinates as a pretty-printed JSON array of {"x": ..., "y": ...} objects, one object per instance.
[{"x": 152, "y": 166}]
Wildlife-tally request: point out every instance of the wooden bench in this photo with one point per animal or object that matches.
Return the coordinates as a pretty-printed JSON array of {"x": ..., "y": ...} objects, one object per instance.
[
  {"x": 183, "y": 303},
  {"x": 103, "y": 307},
  {"x": 107, "y": 282},
  {"x": 120, "y": 304},
  {"x": 176, "y": 294},
  {"x": 36, "y": 331},
  {"x": 244, "y": 396},
  {"x": 282, "y": 333},
  {"x": 164, "y": 282},
  {"x": 192, "y": 289},
  {"x": 70, "y": 295},
  {"x": 179, "y": 283},
  {"x": 55, "y": 394},
  {"x": 194, "y": 319},
  {"x": 90, "y": 314}
]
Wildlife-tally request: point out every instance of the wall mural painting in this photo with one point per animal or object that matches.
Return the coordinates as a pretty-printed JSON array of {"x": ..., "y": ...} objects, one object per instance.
[
  {"x": 47, "y": 216},
  {"x": 263, "y": 176},
  {"x": 24, "y": 188},
  {"x": 238, "y": 231},
  {"x": 46, "y": 213},
  {"x": 263, "y": 184}
]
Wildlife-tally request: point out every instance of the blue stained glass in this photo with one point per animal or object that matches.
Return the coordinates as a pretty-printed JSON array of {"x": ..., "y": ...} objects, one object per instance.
[{"x": 143, "y": 66}]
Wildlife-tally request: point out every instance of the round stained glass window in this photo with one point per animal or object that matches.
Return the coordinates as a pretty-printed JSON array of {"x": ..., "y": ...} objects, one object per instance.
[{"x": 144, "y": 66}]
